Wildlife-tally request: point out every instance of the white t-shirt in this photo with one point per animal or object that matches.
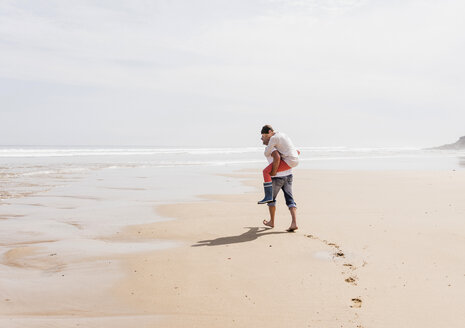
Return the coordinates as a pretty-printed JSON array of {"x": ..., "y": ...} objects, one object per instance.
[
  {"x": 283, "y": 144},
  {"x": 278, "y": 174}
]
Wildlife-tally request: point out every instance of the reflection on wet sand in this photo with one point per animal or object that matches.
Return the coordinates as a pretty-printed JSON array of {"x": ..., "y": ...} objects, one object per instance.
[{"x": 462, "y": 161}]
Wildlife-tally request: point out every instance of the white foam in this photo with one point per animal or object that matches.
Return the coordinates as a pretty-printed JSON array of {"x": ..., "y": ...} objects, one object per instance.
[{"x": 70, "y": 152}]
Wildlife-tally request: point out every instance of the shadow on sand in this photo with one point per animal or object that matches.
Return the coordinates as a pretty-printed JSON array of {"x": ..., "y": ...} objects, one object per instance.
[{"x": 252, "y": 234}]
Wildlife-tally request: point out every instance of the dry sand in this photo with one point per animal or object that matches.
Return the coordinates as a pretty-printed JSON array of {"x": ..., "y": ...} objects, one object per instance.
[{"x": 373, "y": 249}]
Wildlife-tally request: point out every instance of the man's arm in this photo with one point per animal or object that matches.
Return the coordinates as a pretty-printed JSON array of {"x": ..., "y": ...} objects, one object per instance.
[
  {"x": 270, "y": 146},
  {"x": 276, "y": 161}
]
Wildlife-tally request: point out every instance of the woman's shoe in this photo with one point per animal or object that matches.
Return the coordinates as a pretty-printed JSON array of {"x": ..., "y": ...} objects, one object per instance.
[{"x": 268, "y": 186}]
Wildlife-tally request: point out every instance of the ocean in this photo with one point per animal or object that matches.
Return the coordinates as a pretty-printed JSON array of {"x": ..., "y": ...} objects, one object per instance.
[{"x": 25, "y": 170}]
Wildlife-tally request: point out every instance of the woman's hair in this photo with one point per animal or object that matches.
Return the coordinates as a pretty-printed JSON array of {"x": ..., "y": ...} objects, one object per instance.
[{"x": 266, "y": 129}]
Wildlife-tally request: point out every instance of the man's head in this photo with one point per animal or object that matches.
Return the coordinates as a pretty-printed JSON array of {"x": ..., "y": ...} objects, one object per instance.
[{"x": 267, "y": 133}]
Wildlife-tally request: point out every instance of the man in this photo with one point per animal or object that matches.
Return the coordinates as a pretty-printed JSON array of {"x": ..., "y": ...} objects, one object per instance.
[{"x": 282, "y": 155}]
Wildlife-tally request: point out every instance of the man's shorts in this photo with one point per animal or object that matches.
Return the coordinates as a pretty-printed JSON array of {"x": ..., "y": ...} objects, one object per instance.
[{"x": 284, "y": 183}]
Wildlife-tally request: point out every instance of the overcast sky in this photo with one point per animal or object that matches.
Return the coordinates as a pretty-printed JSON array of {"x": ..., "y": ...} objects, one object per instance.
[{"x": 211, "y": 73}]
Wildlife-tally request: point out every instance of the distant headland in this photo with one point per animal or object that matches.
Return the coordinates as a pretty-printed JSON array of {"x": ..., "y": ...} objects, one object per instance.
[{"x": 460, "y": 144}]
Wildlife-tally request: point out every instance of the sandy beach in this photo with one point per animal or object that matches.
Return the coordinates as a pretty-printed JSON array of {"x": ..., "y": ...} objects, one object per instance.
[
  {"x": 373, "y": 249},
  {"x": 137, "y": 138}
]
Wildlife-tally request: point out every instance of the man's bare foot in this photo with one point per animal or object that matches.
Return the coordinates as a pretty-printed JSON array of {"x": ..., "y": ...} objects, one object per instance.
[
  {"x": 292, "y": 228},
  {"x": 268, "y": 223}
]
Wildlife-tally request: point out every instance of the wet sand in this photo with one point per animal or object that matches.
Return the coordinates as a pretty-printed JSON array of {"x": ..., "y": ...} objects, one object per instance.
[{"x": 373, "y": 249}]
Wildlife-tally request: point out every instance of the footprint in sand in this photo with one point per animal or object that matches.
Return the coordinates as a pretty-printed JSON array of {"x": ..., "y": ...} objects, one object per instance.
[
  {"x": 333, "y": 245},
  {"x": 339, "y": 253},
  {"x": 356, "y": 303},
  {"x": 350, "y": 266},
  {"x": 351, "y": 280}
]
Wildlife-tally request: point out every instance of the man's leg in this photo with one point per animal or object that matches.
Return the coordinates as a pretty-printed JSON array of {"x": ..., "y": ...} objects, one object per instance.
[
  {"x": 270, "y": 223},
  {"x": 287, "y": 189},
  {"x": 293, "y": 226},
  {"x": 277, "y": 185}
]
